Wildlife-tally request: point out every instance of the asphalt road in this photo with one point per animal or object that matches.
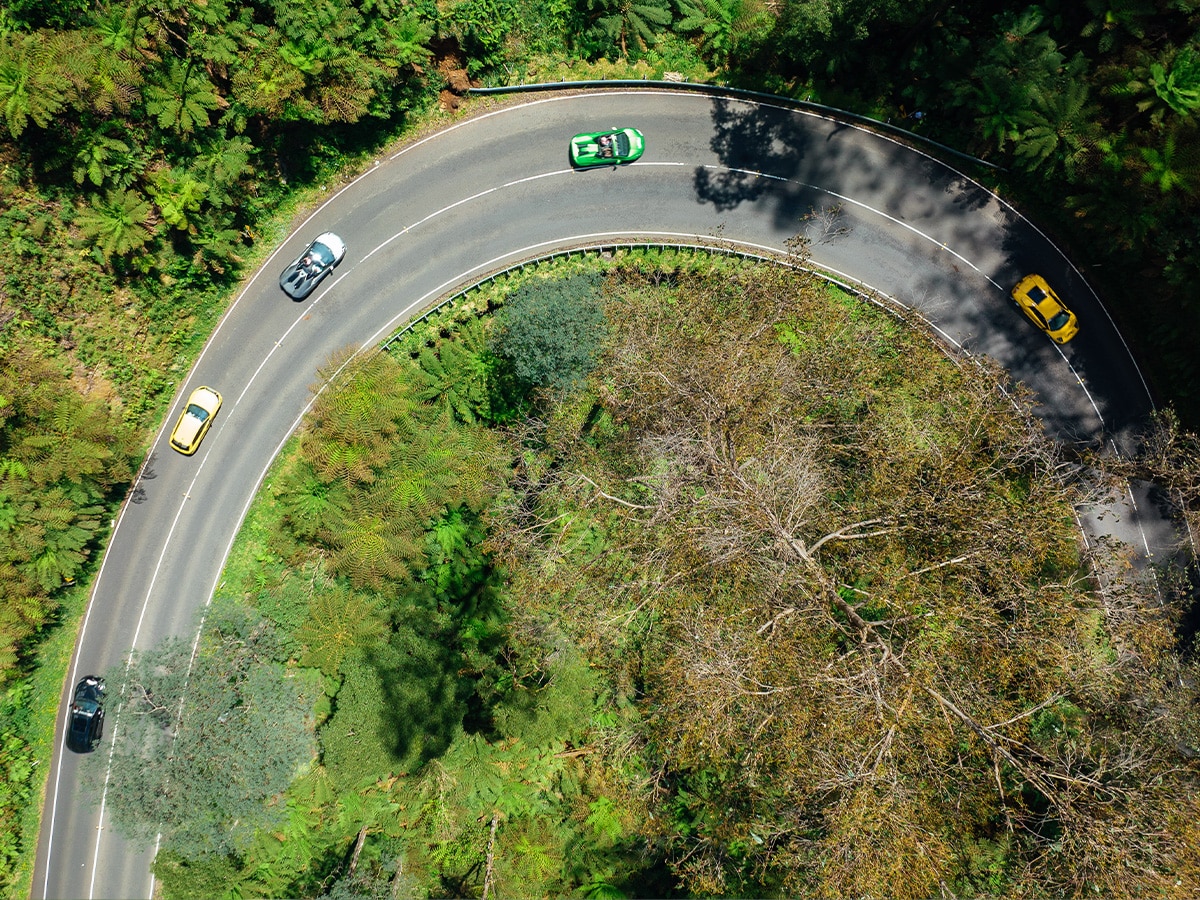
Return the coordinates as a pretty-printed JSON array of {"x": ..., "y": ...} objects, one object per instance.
[{"x": 498, "y": 188}]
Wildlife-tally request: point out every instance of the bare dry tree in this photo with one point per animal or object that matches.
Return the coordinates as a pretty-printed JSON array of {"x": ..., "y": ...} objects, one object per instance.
[
  {"x": 826, "y": 224},
  {"x": 879, "y": 624}
]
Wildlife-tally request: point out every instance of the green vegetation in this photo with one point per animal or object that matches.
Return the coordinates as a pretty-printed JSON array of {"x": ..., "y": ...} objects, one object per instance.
[
  {"x": 776, "y": 599},
  {"x": 204, "y": 784},
  {"x": 552, "y": 332},
  {"x": 64, "y": 459},
  {"x": 150, "y": 155}
]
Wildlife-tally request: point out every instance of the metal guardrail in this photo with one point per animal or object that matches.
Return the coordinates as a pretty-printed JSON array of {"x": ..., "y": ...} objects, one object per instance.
[
  {"x": 567, "y": 253},
  {"x": 888, "y": 304},
  {"x": 954, "y": 351},
  {"x": 704, "y": 88}
]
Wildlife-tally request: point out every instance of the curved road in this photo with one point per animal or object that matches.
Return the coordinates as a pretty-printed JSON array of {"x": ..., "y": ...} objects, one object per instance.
[{"x": 498, "y": 188}]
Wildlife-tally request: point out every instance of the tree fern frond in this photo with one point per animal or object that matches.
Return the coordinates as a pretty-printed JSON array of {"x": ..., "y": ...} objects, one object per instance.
[{"x": 339, "y": 622}]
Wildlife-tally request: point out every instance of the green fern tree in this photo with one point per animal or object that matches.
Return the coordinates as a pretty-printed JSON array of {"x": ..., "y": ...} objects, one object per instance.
[
  {"x": 1063, "y": 133},
  {"x": 181, "y": 98},
  {"x": 714, "y": 22},
  {"x": 1020, "y": 64},
  {"x": 32, "y": 87},
  {"x": 454, "y": 375},
  {"x": 622, "y": 22},
  {"x": 118, "y": 223},
  {"x": 1173, "y": 167}
]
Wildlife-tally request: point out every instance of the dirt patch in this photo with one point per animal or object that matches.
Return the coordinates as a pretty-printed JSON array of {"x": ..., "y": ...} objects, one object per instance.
[
  {"x": 93, "y": 385},
  {"x": 451, "y": 65}
]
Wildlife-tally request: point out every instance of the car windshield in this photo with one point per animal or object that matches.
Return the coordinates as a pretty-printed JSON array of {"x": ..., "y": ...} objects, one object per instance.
[
  {"x": 197, "y": 412},
  {"x": 621, "y": 143},
  {"x": 1059, "y": 321},
  {"x": 88, "y": 707},
  {"x": 322, "y": 255}
]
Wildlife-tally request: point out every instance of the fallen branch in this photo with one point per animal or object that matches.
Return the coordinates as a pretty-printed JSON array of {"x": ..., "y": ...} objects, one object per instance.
[
  {"x": 491, "y": 855},
  {"x": 607, "y": 496}
]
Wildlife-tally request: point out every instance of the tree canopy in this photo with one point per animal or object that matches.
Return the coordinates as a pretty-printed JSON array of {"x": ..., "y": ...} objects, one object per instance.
[
  {"x": 551, "y": 331},
  {"x": 63, "y": 458},
  {"x": 206, "y": 743},
  {"x": 870, "y": 662}
]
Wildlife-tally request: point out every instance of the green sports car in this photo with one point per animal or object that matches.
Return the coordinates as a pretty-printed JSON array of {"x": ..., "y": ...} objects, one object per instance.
[{"x": 607, "y": 148}]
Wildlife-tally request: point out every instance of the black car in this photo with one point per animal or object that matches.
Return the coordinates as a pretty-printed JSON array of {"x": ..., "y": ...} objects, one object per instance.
[
  {"x": 310, "y": 268},
  {"x": 87, "y": 715}
]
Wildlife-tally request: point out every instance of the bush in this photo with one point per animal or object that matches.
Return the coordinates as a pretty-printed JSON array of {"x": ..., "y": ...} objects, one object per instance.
[{"x": 551, "y": 331}]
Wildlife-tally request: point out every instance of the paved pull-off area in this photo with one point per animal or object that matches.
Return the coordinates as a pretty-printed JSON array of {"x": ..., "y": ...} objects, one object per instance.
[{"x": 471, "y": 199}]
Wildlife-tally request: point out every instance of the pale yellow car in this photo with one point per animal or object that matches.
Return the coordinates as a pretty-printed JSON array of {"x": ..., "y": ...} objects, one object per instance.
[
  {"x": 1038, "y": 301},
  {"x": 197, "y": 418}
]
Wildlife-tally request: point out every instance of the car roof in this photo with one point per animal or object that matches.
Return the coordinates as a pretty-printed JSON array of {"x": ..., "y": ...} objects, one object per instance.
[
  {"x": 187, "y": 429},
  {"x": 189, "y": 425}
]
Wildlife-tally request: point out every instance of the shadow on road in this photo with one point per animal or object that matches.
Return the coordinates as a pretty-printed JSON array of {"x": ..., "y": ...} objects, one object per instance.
[
  {"x": 936, "y": 238},
  {"x": 749, "y": 139},
  {"x": 797, "y": 158}
]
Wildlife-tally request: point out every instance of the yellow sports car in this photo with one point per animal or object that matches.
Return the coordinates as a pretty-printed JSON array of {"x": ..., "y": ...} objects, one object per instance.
[
  {"x": 1038, "y": 301},
  {"x": 197, "y": 418}
]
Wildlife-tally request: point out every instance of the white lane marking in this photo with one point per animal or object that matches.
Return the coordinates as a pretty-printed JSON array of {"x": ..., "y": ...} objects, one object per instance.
[
  {"x": 703, "y": 99},
  {"x": 74, "y": 679},
  {"x": 1082, "y": 386},
  {"x": 1138, "y": 519},
  {"x": 75, "y": 671},
  {"x": 925, "y": 236},
  {"x": 890, "y": 218}
]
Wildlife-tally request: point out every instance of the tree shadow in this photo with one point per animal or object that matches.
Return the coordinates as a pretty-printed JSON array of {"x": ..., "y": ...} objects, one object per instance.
[
  {"x": 799, "y": 159},
  {"x": 425, "y": 696},
  {"x": 436, "y": 671},
  {"x": 750, "y": 139}
]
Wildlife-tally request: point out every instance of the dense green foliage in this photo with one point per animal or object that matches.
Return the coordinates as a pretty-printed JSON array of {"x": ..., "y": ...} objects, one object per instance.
[
  {"x": 157, "y": 136},
  {"x": 16, "y": 769},
  {"x": 64, "y": 457},
  {"x": 552, "y": 331}
]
